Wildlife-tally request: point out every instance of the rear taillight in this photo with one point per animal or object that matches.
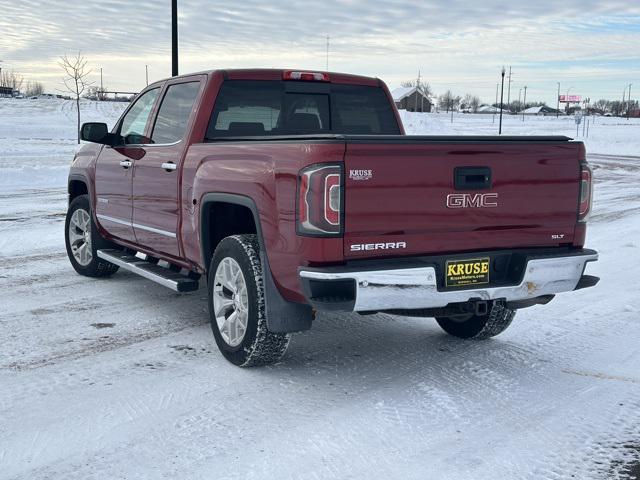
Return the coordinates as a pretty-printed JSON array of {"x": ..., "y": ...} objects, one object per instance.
[
  {"x": 305, "y": 76},
  {"x": 320, "y": 200},
  {"x": 586, "y": 194}
]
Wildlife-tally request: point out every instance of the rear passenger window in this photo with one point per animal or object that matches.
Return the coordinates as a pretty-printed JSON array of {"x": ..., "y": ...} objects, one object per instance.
[
  {"x": 361, "y": 110},
  {"x": 174, "y": 112}
]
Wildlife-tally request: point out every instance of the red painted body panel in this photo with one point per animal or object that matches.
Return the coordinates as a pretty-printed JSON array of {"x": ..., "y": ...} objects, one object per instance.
[
  {"x": 113, "y": 185},
  {"x": 155, "y": 198},
  {"x": 267, "y": 173},
  {"x": 404, "y": 201}
]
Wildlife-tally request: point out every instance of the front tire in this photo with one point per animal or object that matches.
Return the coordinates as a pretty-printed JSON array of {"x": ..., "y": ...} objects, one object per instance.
[
  {"x": 479, "y": 327},
  {"x": 83, "y": 241},
  {"x": 237, "y": 304}
]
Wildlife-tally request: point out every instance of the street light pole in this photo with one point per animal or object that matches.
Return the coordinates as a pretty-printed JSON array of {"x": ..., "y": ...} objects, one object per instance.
[
  {"x": 146, "y": 73},
  {"x": 524, "y": 106},
  {"x": 558, "y": 102},
  {"x": 501, "y": 100},
  {"x": 174, "y": 38},
  {"x": 629, "y": 101}
]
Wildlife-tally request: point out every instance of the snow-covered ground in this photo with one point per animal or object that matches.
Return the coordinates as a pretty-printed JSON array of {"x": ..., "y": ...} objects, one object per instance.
[
  {"x": 120, "y": 378},
  {"x": 606, "y": 135}
]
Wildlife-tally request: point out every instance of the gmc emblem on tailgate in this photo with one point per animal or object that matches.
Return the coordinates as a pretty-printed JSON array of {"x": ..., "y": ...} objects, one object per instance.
[{"x": 472, "y": 200}]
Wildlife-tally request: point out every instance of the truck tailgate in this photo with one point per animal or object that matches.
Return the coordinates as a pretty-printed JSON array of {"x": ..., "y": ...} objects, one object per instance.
[{"x": 402, "y": 197}]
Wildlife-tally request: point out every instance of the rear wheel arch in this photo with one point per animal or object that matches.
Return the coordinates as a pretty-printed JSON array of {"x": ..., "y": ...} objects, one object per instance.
[
  {"x": 283, "y": 316},
  {"x": 223, "y": 215}
]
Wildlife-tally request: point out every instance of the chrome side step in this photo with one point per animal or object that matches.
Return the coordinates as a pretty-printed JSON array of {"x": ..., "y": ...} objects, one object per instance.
[{"x": 168, "y": 278}]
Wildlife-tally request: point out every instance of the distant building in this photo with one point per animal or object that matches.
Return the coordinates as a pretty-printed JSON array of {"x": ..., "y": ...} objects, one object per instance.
[
  {"x": 490, "y": 109},
  {"x": 6, "y": 92},
  {"x": 411, "y": 99},
  {"x": 542, "y": 111}
]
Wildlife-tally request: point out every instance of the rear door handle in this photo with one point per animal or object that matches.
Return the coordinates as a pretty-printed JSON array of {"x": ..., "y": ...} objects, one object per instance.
[
  {"x": 126, "y": 163},
  {"x": 169, "y": 166}
]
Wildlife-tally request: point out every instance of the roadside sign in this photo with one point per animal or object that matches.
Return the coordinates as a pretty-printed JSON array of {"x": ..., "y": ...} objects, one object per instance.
[{"x": 570, "y": 98}]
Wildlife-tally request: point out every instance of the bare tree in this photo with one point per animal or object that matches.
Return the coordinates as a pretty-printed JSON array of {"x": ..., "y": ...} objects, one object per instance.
[
  {"x": 474, "y": 103},
  {"x": 466, "y": 101},
  {"x": 33, "y": 89},
  {"x": 11, "y": 79},
  {"x": 96, "y": 93},
  {"x": 425, "y": 88},
  {"x": 449, "y": 101},
  {"x": 75, "y": 81}
]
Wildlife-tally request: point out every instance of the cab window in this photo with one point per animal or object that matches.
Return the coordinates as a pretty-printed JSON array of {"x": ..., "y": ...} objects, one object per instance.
[
  {"x": 174, "y": 112},
  {"x": 135, "y": 120}
]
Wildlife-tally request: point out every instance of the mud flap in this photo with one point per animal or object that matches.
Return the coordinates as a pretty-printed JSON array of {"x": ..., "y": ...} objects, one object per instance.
[{"x": 282, "y": 316}]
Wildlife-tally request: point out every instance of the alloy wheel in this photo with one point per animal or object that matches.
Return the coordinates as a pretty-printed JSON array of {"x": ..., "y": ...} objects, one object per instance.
[
  {"x": 230, "y": 301},
  {"x": 80, "y": 237}
]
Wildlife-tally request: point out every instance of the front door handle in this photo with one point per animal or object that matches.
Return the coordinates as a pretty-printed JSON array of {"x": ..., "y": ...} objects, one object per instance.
[
  {"x": 126, "y": 163},
  {"x": 169, "y": 166}
]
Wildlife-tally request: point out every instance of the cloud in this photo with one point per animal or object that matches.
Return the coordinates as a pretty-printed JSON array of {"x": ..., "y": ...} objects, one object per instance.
[{"x": 454, "y": 43}]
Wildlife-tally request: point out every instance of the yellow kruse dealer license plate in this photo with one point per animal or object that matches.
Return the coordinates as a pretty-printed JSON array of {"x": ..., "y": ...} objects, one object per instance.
[{"x": 474, "y": 271}]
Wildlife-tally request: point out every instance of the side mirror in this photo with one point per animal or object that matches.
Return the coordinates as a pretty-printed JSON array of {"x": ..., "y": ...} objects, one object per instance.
[{"x": 96, "y": 133}]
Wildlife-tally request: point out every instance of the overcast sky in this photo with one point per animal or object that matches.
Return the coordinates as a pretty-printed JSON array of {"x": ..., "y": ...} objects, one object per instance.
[{"x": 590, "y": 46}]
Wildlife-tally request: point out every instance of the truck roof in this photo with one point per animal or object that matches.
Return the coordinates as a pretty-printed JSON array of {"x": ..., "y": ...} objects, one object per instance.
[{"x": 276, "y": 74}]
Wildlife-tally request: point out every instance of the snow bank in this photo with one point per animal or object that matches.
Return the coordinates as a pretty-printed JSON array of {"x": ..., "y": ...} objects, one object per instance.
[{"x": 38, "y": 139}]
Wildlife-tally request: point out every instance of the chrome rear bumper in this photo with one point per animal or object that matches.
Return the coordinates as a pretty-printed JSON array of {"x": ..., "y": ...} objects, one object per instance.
[{"x": 417, "y": 288}]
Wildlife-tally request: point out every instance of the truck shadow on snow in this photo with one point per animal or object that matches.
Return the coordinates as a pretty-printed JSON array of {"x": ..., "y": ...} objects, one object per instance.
[{"x": 389, "y": 347}]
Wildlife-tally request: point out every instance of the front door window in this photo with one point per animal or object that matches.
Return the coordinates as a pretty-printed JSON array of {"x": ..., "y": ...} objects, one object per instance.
[{"x": 135, "y": 121}]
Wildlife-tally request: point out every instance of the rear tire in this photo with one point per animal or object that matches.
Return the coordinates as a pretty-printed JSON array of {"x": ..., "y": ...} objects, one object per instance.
[
  {"x": 237, "y": 305},
  {"x": 83, "y": 241},
  {"x": 479, "y": 327}
]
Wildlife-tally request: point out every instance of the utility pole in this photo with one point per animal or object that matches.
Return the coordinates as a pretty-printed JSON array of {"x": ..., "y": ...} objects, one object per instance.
[
  {"x": 509, "y": 90},
  {"x": 327, "y": 66},
  {"x": 146, "y": 73},
  {"x": 501, "y": 100},
  {"x": 495, "y": 104},
  {"x": 629, "y": 101},
  {"x": 519, "y": 97},
  {"x": 415, "y": 107},
  {"x": 101, "y": 86},
  {"x": 524, "y": 105},
  {"x": 558, "y": 103},
  {"x": 174, "y": 38}
]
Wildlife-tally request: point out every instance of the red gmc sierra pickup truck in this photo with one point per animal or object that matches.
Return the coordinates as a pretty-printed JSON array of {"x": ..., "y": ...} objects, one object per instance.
[{"x": 295, "y": 192}]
